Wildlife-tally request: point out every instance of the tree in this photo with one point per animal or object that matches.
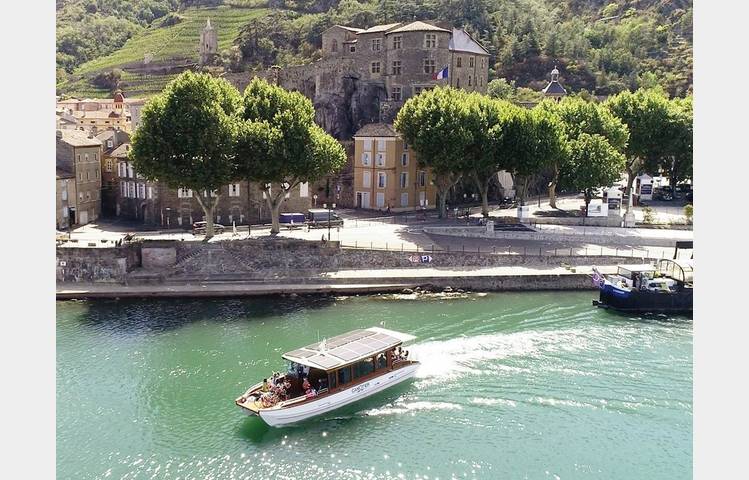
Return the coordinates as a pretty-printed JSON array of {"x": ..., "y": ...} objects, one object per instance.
[
  {"x": 436, "y": 124},
  {"x": 279, "y": 145},
  {"x": 187, "y": 137},
  {"x": 487, "y": 155},
  {"x": 676, "y": 159},
  {"x": 530, "y": 140},
  {"x": 593, "y": 162},
  {"x": 577, "y": 117},
  {"x": 646, "y": 115}
]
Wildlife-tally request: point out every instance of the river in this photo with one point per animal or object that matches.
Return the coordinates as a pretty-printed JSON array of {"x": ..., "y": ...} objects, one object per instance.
[{"x": 512, "y": 385}]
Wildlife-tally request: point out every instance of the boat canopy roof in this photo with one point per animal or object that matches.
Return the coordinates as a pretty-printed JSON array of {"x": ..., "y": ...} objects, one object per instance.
[
  {"x": 341, "y": 350},
  {"x": 644, "y": 267},
  {"x": 682, "y": 270}
]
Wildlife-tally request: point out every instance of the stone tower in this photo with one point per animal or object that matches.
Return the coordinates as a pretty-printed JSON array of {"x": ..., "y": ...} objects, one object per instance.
[
  {"x": 555, "y": 89},
  {"x": 208, "y": 44}
]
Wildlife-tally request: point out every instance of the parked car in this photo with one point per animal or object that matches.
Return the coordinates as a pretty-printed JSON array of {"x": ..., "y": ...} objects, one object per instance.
[
  {"x": 199, "y": 228},
  {"x": 318, "y": 217},
  {"x": 663, "y": 193},
  {"x": 507, "y": 202}
]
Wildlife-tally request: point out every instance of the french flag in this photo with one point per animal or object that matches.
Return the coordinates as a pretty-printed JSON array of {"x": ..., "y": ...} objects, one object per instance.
[{"x": 441, "y": 75}]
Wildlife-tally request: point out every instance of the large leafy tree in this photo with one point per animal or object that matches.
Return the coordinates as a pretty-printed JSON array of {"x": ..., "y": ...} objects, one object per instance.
[
  {"x": 530, "y": 140},
  {"x": 647, "y": 115},
  {"x": 187, "y": 137},
  {"x": 577, "y": 117},
  {"x": 279, "y": 145},
  {"x": 436, "y": 123},
  {"x": 593, "y": 162},
  {"x": 675, "y": 158}
]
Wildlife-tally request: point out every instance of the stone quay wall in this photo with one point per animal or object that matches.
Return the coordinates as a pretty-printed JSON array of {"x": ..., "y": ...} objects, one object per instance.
[
  {"x": 282, "y": 260},
  {"x": 96, "y": 264}
]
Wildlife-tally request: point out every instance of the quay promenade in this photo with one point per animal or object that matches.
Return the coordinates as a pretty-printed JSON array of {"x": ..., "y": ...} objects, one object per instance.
[{"x": 350, "y": 282}]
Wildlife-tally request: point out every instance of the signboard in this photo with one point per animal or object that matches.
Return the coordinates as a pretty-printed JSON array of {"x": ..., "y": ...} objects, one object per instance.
[
  {"x": 646, "y": 189},
  {"x": 420, "y": 258},
  {"x": 615, "y": 203}
]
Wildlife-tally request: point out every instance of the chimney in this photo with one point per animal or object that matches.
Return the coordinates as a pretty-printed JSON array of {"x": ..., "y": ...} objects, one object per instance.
[{"x": 91, "y": 133}]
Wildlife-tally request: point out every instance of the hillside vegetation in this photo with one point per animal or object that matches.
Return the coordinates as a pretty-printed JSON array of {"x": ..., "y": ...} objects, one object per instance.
[{"x": 600, "y": 46}]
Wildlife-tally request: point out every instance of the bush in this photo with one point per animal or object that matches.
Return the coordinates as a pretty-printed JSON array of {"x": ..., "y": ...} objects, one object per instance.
[
  {"x": 171, "y": 19},
  {"x": 689, "y": 213},
  {"x": 648, "y": 215},
  {"x": 109, "y": 80}
]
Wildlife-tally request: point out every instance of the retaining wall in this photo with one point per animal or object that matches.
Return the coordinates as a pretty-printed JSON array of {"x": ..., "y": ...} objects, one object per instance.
[{"x": 97, "y": 265}]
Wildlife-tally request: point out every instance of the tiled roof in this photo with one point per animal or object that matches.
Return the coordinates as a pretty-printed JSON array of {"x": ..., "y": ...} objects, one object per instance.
[
  {"x": 63, "y": 172},
  {"x": 554, "y": 88},
  {"x": 376, "y": 130},
  {"x": 461, "y": 41},
  {"x": 78, "y": 138},
  {"x": 418, "y": 27},
  {"x": 350, "y": 29},
  {"x": 96, "y": 114},
  {"x": 380, "y": 28},
  {"x": 121, "y": 151}
]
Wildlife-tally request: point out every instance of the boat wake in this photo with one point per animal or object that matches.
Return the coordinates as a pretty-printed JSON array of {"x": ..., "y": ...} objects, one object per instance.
[
  {"x": 450, "y": 359},
  {"x": 401, "y": 406}
]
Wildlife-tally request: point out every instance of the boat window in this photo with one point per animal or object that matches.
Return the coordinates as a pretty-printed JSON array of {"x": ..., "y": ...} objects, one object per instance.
[
  {"x": 364, "y": 367},
  {"x": 382, "y": 361},
  {"x": 344, "y": 375},
  {"x": 332, "y": 381}
]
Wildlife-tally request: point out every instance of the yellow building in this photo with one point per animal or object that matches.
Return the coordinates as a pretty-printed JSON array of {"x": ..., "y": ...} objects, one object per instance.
[{"x": 386, "y": 172}]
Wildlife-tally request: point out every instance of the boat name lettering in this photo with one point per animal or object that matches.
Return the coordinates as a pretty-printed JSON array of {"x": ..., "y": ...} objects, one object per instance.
[{"x": 360, "y": 388}]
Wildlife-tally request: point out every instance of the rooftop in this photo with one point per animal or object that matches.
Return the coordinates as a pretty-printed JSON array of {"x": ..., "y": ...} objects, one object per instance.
[
  {"x": 418, "y": 26},
  {"x": 78, "y": 138},
  {"x": 64, "y": 172},
  {"x": 347, "y": 348},
  {"x": 121, "y": 151},
  {"x": 463, "y": 42},
  {"x": 377, "y": 130},
  {"x": 554, "y": 88},
  {"x": 380, "y": 28}
]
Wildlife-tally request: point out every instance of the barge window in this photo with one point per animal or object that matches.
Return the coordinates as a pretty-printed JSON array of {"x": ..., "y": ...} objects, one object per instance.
[
  {"x": 365, "y": 367},
  {"x": 344, "y": 375}
]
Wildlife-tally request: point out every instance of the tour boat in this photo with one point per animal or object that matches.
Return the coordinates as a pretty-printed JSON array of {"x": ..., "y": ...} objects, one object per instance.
[
  {"x": 329, "y": 374},
  {"x": 666, "y": 287}
]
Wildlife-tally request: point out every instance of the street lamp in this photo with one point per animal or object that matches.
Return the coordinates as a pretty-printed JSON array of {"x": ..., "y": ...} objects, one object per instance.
[
  {"x": 329, "y": 209},
  {"x": 314, "y": 197},
  {"x": 168, "y": 210}
]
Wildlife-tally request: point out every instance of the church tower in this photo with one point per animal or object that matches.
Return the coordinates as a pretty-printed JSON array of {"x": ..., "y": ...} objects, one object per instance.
[
  {"x": 555, "y": 89},
  {"x": 208, "y": 44}
]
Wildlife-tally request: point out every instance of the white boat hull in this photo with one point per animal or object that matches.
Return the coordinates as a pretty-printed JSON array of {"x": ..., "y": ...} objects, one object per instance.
[{"x": 276, "y": 417}]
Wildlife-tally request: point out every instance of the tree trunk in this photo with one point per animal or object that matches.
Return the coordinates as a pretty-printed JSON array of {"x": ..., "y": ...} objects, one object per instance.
[
  {"x": 275, "y": 207},
  {"x": 632, "y": 167},
  {"x": 444, "y": 183},
  {"x": 525, "y": 179},
  {"x": 483, "y": 186},
  {"x": 587, "y": 197},
  {"x": 209, "y": 206},
  {"x": 553, "y": 188}
]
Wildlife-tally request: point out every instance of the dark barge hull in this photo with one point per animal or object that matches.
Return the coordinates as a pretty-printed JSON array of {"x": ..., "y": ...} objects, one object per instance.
[{"x": 645, "y": 301}]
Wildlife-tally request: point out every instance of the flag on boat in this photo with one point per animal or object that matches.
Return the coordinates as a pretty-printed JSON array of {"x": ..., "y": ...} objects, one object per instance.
[{"x": 441, "y": 75}]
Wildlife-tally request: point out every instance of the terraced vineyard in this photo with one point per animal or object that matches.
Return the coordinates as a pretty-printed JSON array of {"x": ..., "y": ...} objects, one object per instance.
[{"x": 175, "y": 44}]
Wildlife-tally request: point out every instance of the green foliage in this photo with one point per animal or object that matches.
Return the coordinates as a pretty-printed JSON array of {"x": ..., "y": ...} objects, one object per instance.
[
  {"x": 689, "y": 213},
  {"x": 593, "y": 162},
  {"x": 280, "y": 144},
  {"x": 436, "y": 123},
  {"x": 187, "y": 137},
  {"x": 648, "y": 215},
  {"x": 109, "y": 80}
]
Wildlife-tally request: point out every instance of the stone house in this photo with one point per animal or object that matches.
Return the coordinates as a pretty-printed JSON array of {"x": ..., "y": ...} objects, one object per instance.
[
  {"x": 113, "y": 149},
  {"x": 79, "y": 152},
  {"x": 65, "y": 198},
  {"x": 408, "y": 58},
  {"x": 387, "y": 174},
  {"x": 155, "y": 204}
]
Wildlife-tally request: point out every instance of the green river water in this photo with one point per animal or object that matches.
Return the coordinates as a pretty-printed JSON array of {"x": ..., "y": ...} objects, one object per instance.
[{"x": 512, "y": 385}]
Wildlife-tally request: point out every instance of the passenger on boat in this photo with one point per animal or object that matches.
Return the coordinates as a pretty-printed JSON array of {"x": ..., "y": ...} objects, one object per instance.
[
  {"x": 305, "y": 384},
  {"x": 265, "y": 388},
  {"x": 310, "y": 392}
]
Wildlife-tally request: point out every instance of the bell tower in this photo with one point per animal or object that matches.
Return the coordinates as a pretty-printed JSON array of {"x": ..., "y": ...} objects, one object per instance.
[{"x": 208, "y": 44}]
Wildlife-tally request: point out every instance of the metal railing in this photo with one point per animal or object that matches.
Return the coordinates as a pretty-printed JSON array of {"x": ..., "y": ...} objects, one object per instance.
[{"x": 632, "y": 252}]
